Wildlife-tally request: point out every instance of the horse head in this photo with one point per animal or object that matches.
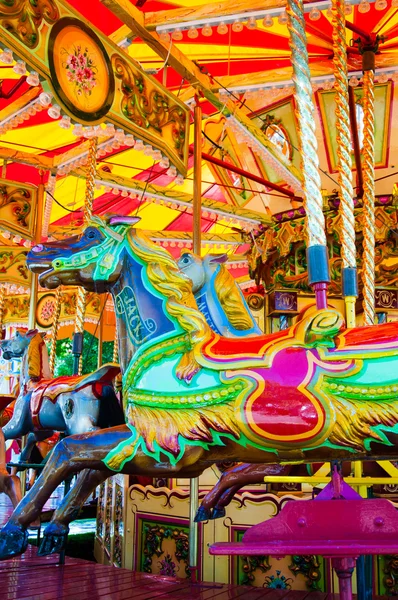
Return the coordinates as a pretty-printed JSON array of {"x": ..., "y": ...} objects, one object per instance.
[
  {"x": 15, "y": 347},
  {"x": 89, "y": 259},
  {"x": 199, "y": 270}
]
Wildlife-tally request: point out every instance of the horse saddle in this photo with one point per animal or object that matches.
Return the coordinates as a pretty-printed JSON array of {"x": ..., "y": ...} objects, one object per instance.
[{"x": 50, "y": 389}]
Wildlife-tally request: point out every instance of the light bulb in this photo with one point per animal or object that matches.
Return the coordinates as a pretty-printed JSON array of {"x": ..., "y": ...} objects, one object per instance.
[
  {"x": 54, "y": 111},
  {"x": 139, "y": 145},
  {"x": 252, "y": 23},
  {"x": 88, "y": 132},
  {"x": 268, "y": 21},
  {"x": 157, "y": 155},
  {"x": 172, "y": 171},
  {"x": 363, "y": 6},
  {"x": 179, "y": 180},
  {"x": 65, "y": 122},
  {"x": 78, "y": 130},
  {"x": 380, "y": 4},
  {"x": 394, "y": 77},
  {"x": 383, "y": 78},
  {"x": 19, "y": 67},
  {"x": 109, "y": 130},
  {"x": 45, "y": 99},
  {"x": 6, "y": 56},
  {"x": 148, "y": 150},
  {"x": 315, "y": 14},
  {"x": 164, "y": 163},
  {"x": 164, "y": 36},
  {"x": 237, "y": 26},
  {"x": 193, "y": 33},
  {"x": 207, "y": 31},
  {"x": 347, "y": 8},
  {"x": 33, "y": 79},
  {"x": 177, "y": 35},
  {"x": 119, "y": 135},
  {"x": 329, "y": 84},
  {"x": 129, "y": 140},
  {"x": 283, "y": 18},
  {"x": 222, "y": 29}
]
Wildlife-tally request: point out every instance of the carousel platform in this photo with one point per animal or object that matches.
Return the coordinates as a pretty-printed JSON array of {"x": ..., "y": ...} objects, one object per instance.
[{"x": 41, "y": 578}]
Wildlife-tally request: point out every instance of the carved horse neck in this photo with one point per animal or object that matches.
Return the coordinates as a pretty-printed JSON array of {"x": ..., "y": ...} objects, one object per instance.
[
  {"x": 34, "y": 364},
  {"x": 139, "y": 312}
]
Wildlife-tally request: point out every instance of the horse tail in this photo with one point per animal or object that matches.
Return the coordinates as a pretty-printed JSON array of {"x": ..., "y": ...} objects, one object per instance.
[{"x": 110, "y": 411}]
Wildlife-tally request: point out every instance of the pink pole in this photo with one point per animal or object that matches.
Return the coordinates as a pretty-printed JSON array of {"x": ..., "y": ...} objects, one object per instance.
[
  {"x": 321, "y": 290},
  {"x": 344, "y": 568}
]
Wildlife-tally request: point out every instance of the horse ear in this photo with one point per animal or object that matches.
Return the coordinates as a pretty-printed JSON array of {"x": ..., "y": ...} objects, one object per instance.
[
  {"x": 31, "y": 333},
  {"x": 120, "y": 220},
  {"x": 218, "y": 258}
]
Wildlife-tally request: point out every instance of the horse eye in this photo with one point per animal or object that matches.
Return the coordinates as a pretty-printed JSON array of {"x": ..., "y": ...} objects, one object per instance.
[{"x": 90, "y": 234}]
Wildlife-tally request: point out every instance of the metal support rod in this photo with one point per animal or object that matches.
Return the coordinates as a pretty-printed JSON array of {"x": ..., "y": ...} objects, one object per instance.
[
  {"x": 358, "y": 31},
  {"x": 37, "y": 239},
  {"x": 234, "y": 169},
  {"x": 344, "y": 568},
  {"x": 197, "y": 235},
  {"x": 197, "y": 180}
]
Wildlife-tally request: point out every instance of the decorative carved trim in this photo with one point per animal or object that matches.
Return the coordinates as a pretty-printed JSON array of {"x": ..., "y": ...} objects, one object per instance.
[{"x": 23, "y": 18}]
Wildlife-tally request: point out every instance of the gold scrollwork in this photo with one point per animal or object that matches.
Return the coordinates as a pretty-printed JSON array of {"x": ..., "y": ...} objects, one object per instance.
[
  {"x": 20, "y": 199},
  {"x": 149, "y": 109},
  {"x": 23, "y": 18}
]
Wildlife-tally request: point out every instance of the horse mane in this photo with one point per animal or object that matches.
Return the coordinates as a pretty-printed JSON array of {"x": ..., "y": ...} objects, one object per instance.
[
  {"x": 165, "y": 276},
  {"x": 37, "y": 359},
  {"x": 231, "y": 300}
]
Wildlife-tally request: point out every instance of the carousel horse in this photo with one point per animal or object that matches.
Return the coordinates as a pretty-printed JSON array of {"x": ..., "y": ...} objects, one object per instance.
[
  {"x": 66, "y": 404},
  {"x": 217, "y": 295},
  {"x": 312, "y": 393}
]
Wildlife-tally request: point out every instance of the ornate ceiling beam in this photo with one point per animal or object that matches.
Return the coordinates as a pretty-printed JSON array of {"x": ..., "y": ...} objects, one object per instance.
[
  {"x": 134, "y": 18},
  {"x": 25, "y": 158},
  {"x": 242, "y": 216},
  {"x": 207, "y": 11}
]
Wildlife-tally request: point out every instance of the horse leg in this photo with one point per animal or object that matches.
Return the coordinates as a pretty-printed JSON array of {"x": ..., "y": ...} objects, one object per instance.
[
  {"x": 236, "y": 477},
  {"x": 21, "y": 421},
  {"x": 9, "y": 484},
  {"x": 56, "y": 532},
  {"x": 225, "y": 498},
  {"x": 32, "y": 438},
  {"x": 71, "y": 455}
]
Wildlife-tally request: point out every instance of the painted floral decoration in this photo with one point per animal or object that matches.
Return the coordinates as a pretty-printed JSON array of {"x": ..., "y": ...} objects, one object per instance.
[
  {"x": 278, "y": 581},
  {"x": 81, "y": 71},
  {"x": 47, "y": 310}
]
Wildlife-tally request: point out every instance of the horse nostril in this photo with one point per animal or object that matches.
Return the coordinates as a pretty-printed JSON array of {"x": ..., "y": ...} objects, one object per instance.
[{"x": 38, "y": 248}]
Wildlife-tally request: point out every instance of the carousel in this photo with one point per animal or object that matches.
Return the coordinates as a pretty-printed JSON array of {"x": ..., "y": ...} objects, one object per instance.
[{"x": 199, "y": 299}]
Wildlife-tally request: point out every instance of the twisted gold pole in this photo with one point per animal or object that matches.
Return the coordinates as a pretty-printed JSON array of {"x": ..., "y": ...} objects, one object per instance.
[
  {"x": 54, "y": 332},
  {"x": 313, "y": 202},
  {"x": 87, "y": 214},
  {"x": 115, "y": 348},
  {"x": 79, "y": 322},
  {"x": 368, "y": 262},
  {"x": 343, "y": 136},
  {"x": 344, "y": 161},
  {"x": 2, "y": 306}
]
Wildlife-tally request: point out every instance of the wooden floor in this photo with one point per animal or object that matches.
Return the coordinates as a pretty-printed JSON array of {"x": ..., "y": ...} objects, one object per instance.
[{"x": 30, "y": 578}]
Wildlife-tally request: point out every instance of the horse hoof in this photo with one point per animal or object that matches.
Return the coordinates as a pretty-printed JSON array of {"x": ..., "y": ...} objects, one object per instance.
[
  {"x": 13, "y": 541},
  {"x": 218, "y": 512},
  {"x": 202, "y": 514},
  {"x": 54, "y": 540}
]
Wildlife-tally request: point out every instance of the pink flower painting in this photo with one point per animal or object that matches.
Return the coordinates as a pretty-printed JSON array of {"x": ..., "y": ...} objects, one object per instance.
[{"x": 81, "y": 71}]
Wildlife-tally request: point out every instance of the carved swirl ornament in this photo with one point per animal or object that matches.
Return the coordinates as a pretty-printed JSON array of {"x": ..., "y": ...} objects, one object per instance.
[
  {"x": 23, "y": 18},
  {"x": 148, "y": 108}
]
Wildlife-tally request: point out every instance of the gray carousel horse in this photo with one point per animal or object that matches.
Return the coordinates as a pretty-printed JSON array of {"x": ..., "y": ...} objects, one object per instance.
[{"x": 66, "y": 404}]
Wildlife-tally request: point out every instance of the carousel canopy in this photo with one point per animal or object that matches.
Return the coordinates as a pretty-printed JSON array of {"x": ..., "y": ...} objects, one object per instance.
[{"x": 228, "y": 56}]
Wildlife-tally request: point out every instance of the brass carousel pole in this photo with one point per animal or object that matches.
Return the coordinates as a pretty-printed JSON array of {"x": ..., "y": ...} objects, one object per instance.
[
  {"x": 317, "y": 254},
  {"x": 196, "y": 238},
  {"x": 54, "y": 332},
  {"x": 344, "y": 162},
  {"x": 2, "y": 307},
  {"x": 81, "y": 292},
  {"x": 34, "y": 287},
  {"x": 368, "y": 259}
]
